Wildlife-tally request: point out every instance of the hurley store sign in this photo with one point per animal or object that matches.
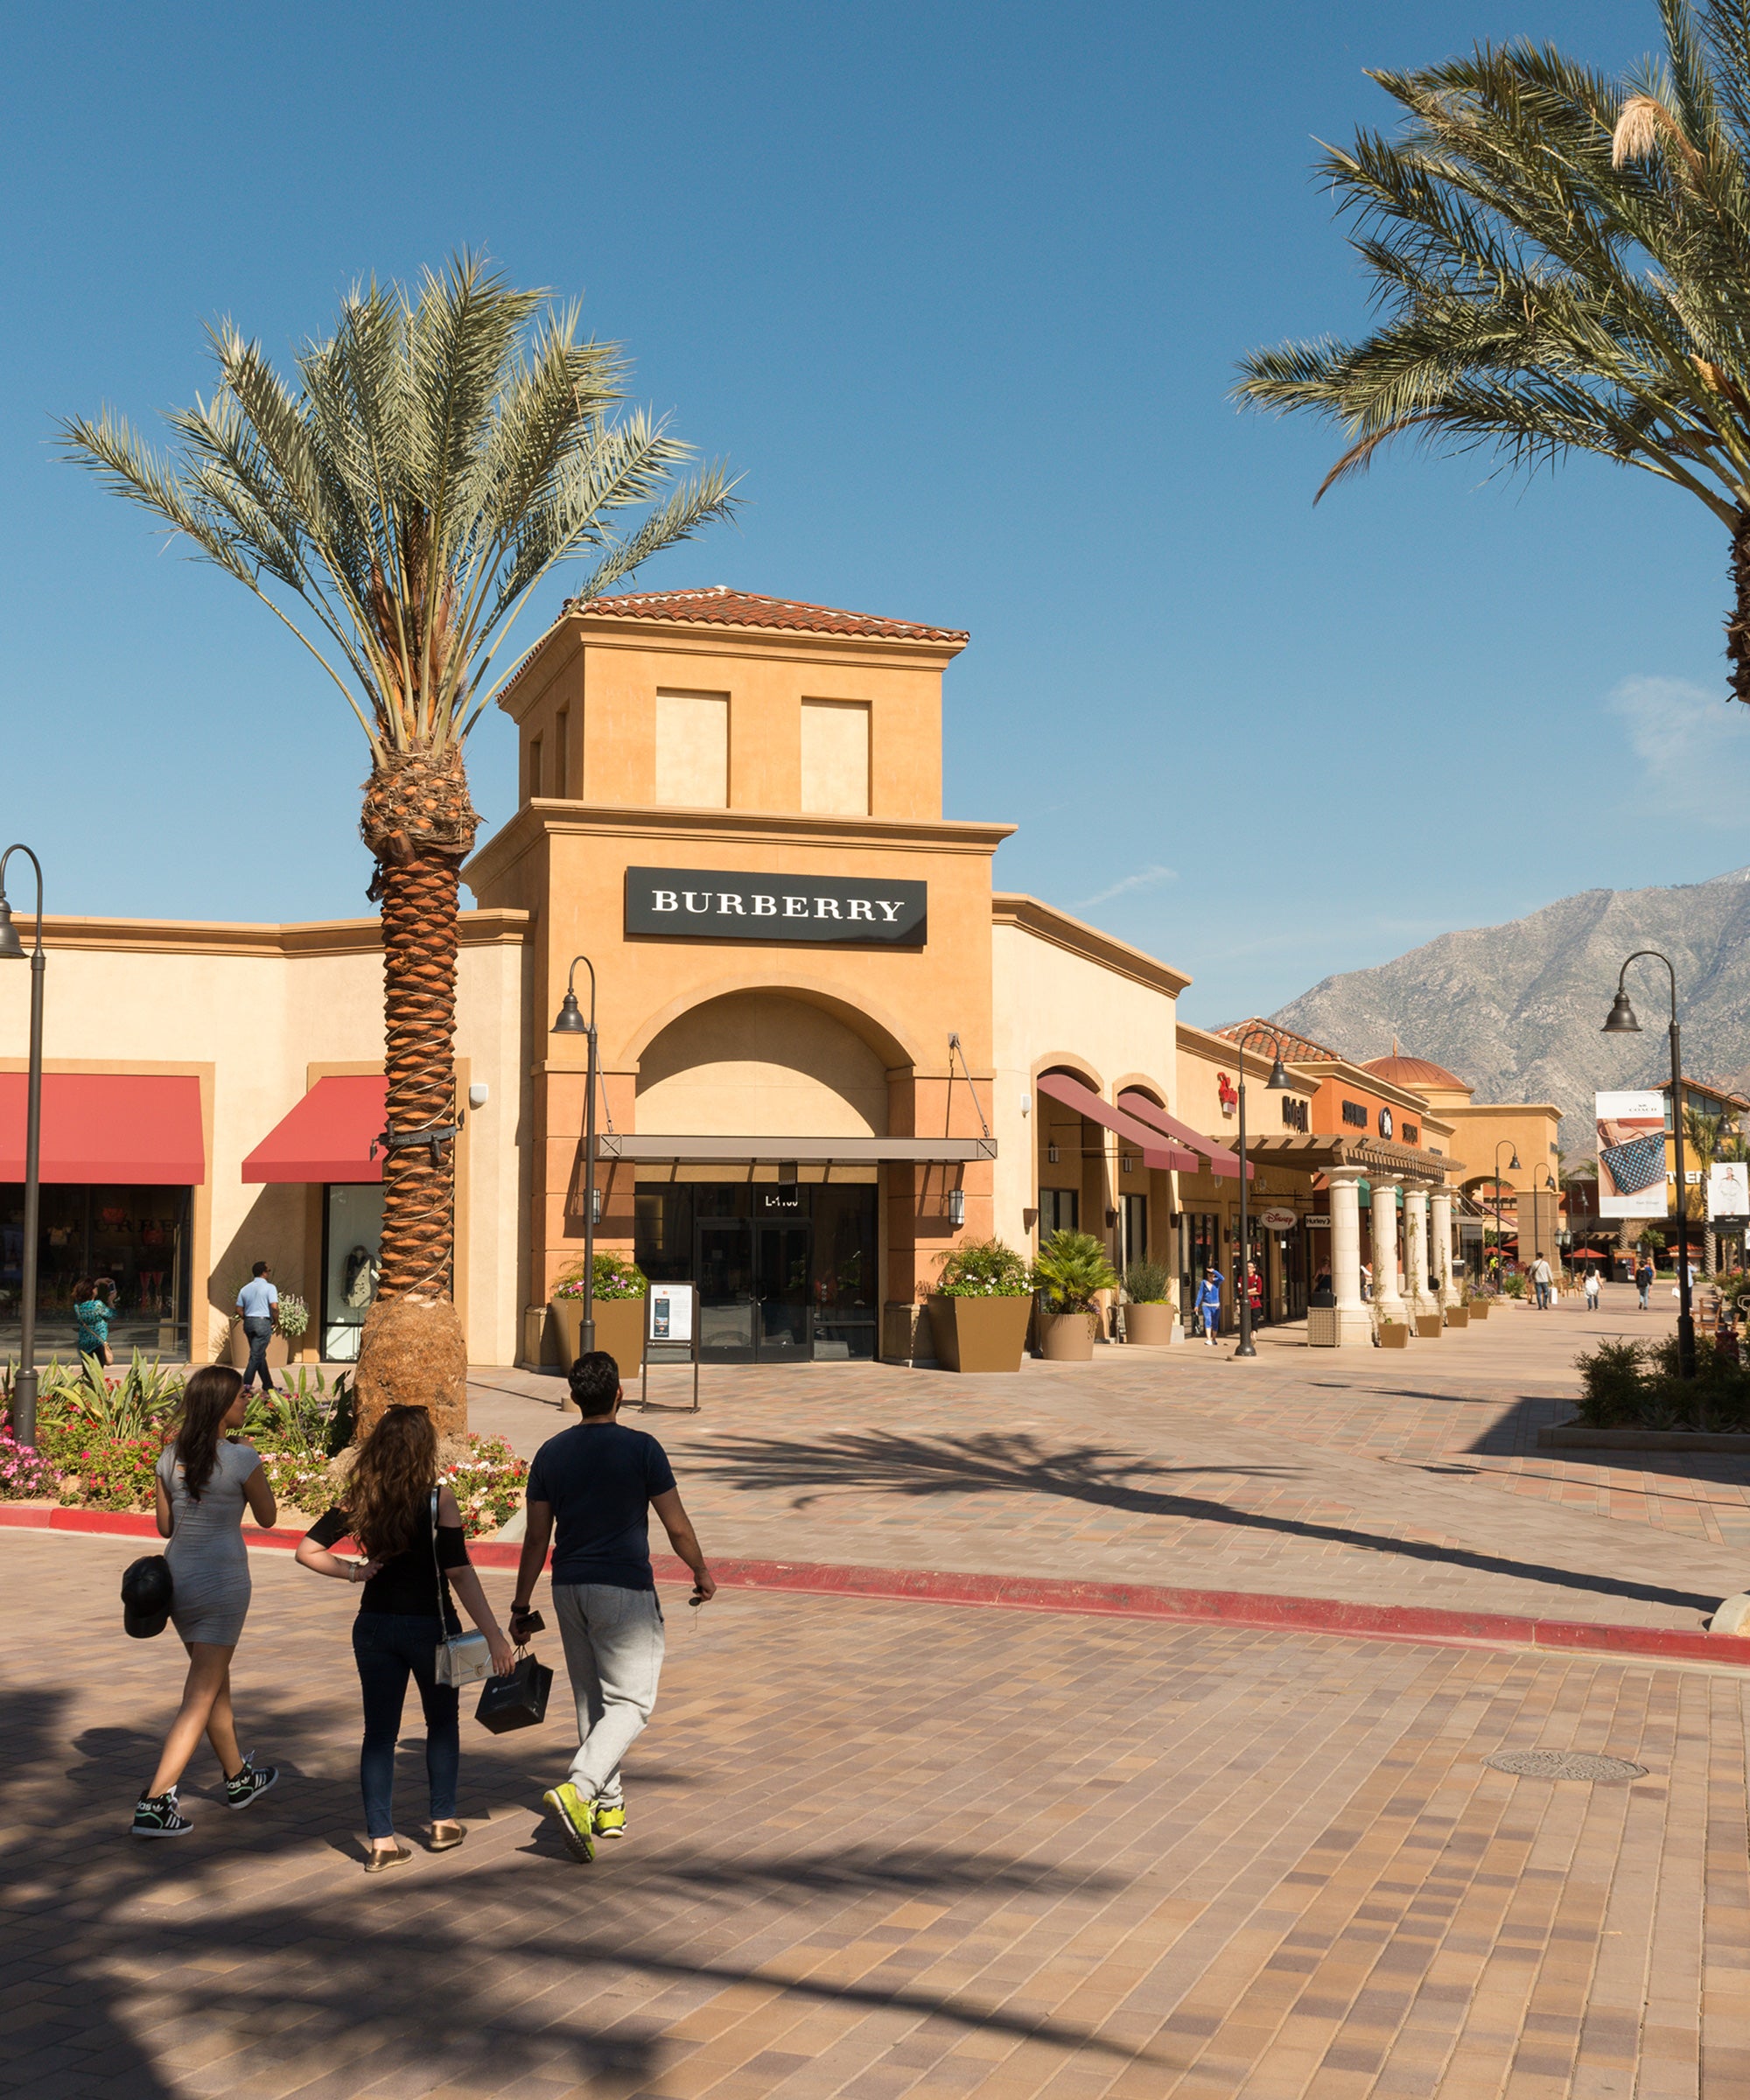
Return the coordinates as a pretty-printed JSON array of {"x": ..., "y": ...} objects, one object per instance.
[{"x": 717, "y": 904}]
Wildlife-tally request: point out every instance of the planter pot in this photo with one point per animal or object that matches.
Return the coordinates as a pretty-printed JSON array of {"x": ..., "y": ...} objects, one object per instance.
[
  {"x": 277, "y": 1350},
  {"x": 1479, "y": 1308},
  {"x": 1150, "y": 1327},
  {"x": 979, "y": 1333},
  {"x": 1457, "y": 1316},
  {"x": 1393, "y": 1336},
  {"x": 620, "y": 1330},
  {"x": 1428, "y": 1326},
  {"x": 1067, "y": 1337}
]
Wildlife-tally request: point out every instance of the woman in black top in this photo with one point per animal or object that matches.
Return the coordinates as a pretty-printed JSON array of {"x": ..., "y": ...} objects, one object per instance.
[{"x": 402, "y": 1615}]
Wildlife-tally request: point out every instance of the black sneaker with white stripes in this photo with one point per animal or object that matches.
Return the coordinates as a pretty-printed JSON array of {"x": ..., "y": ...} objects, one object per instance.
[
  {"x": 248, "y": 1782},
  {"x": 157, "y": 1815}
]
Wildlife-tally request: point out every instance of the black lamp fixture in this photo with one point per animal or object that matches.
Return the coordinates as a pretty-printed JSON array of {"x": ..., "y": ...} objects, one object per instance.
[
  {"x": 571, "y": 1021},
  {"x": 1276, "y": 1083},
  {"x": 12, "y": 950},
  {"x": 1622, "y": 1021}
]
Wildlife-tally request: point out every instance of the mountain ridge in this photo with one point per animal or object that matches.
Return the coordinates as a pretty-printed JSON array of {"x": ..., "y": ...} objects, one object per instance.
[{"x": 1516, "y": 1010}]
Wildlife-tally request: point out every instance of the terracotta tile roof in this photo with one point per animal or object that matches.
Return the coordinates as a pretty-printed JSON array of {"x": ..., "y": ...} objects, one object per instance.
[
  {"x": 1296, "y": 1049},
  {"x": 722, "y": 607}
]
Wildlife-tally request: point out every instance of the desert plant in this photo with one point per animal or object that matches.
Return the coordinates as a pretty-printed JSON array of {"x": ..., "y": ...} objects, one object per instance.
[
  {"x": 615, "y": 1277},
  {"x": 983, "y": 1268},
  {"x": 1071, "y": 1269},
  {"x": 394, "y": 507},
  {"x": 1147, "y": 1283},
  {"x": 298, "y": 1418},
  {"x": 87, "y": 1400}
]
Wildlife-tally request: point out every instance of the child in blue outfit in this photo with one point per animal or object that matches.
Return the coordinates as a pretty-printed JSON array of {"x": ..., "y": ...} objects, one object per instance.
[{"x": 1209, "y": 1303}]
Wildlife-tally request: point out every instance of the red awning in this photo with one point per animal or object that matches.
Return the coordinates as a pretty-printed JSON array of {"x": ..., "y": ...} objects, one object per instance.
[
  {"x": 1086, "y": 1101},
  {"x": 327, "y": 1137},
  {"x": 129, "y": 1128},
  {"x": 1223, "y": 1161}
]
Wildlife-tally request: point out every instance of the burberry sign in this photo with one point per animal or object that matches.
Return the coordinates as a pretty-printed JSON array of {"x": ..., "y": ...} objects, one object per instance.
[{"x": 718, "y": 904}]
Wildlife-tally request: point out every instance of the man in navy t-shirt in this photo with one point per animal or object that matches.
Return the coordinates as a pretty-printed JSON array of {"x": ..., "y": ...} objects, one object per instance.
[{"x": 599, "y": 1481}]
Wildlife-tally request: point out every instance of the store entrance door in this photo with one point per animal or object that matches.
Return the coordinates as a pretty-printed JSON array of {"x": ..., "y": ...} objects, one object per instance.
[{"x": 753, "y": 1290}]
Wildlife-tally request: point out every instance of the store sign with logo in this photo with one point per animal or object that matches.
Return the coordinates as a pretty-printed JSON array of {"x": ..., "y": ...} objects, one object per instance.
[
  {"x": 718, "y": 904},
  {"x": 1278, "y": 1221}
]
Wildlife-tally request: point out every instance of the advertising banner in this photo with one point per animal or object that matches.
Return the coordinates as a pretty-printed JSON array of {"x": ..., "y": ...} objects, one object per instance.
[
  {"x": 1631, "y": 1155},
  {"x": 1728, "y": 1189}
]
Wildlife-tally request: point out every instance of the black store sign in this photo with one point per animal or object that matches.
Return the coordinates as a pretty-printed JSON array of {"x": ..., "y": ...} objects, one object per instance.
[{"x": 718, "y": 904}]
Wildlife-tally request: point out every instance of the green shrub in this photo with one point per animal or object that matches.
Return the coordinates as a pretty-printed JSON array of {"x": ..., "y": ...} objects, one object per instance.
[
  {"x": 1513, "y": 1286},
  {"x": 983, "y": 1268},
  {"x": 615, "y": 1277},
  {"x": 1147, "y": 1283},
  {"x": 1071, "y": 1269},
  {"x": 1636, "y": 1385}
]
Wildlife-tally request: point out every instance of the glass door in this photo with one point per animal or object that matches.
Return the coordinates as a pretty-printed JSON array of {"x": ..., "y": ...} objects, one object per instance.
[
  {"x": 725, "y": 1269},
  {"x": 785, "y": 1328}
]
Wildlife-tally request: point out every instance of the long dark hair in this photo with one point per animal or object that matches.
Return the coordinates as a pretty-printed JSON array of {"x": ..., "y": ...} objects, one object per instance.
[
  {"x": 392, "y": 1480},
  {"x": 206, "y": 1399}
]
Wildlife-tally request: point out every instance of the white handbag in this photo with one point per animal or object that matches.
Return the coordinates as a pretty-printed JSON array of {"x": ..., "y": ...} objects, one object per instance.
[{"x": 461, "y": 1658}]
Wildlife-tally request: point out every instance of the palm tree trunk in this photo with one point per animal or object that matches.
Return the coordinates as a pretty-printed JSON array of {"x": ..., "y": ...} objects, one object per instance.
[
  {"x": 1738, "y": 628},
  {"x": 419, "y": 902}
]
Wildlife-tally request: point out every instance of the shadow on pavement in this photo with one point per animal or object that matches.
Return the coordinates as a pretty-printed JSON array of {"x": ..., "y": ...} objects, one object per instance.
[
  {"x": 877, "y": 1461},
  {"x": 244, "y": 1934}
]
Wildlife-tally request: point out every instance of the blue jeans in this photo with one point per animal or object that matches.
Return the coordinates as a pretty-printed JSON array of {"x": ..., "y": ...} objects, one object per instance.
[
  {"x": 1543, "y": 1291},
  {"x": 388, "y": 1650},
  {"x": 260, "y": 1332}
]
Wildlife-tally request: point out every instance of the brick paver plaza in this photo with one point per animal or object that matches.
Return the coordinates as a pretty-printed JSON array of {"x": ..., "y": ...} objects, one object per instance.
[{"x": 883, "y": 1848}]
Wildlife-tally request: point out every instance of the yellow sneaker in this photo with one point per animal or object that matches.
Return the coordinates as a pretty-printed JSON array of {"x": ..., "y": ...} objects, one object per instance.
[
  {"x": 610, "y": 1819},
  {"x": 575, "y": 1814}
]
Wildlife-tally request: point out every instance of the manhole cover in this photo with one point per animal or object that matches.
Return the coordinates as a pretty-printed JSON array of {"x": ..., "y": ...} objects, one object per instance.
[{"x": 1564, "y": 1764}]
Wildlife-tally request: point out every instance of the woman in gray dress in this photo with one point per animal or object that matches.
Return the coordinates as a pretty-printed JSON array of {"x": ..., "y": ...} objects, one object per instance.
[{"x": 204, "y": 1481}]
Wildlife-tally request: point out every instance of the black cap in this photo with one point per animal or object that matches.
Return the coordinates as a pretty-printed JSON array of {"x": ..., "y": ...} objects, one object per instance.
[{"x": 146, "y": 1592}]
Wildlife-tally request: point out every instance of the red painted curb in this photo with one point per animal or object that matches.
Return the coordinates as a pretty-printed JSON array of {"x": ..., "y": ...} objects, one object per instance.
[{"x": 1256, "y": 1608}]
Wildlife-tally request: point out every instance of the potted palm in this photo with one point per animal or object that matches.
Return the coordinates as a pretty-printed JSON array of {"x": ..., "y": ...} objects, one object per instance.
[
  {"x": 1150, "y": 1317},
  {"x": 979, "y": 1310},
  {"x": 618, "y": 1306},
  {"x": 1070, "y": 1271}
]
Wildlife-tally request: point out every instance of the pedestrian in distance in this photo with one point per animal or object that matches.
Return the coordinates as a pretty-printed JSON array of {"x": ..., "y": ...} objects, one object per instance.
[
  {"x": 1540, "y": 1281},
  {"x": 1643, "y": 1280},
  {"x": 93, "y": 1307},
  {"x": 205, "y": 1481},
  {"x": 405, "y": 1523},
  {"x": 258, "y": 1302},
  {"x": 598, "y": 1483},
  {"x": 1592, "y": 1287},
  {"x": 1254, "y": 1291},
  {"x": 1208, "y": 1304}
]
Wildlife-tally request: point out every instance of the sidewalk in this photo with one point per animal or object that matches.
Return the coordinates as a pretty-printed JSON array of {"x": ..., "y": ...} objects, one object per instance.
[{"x": 1370, "y": 1477}]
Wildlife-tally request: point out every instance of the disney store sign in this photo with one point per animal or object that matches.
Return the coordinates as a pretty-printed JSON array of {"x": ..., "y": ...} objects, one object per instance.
[{"x": 718, "y": 904}]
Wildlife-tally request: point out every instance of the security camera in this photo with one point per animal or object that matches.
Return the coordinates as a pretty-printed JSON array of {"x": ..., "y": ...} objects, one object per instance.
[{"x": 478, "y": 1094}]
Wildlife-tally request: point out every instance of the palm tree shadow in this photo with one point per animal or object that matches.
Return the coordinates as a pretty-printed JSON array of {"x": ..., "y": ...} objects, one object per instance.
[{"x": 995, "y": 1462}]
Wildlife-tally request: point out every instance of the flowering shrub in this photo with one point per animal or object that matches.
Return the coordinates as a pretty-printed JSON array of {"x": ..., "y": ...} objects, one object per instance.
[
  {"x": 614, "y": 1277},
  {"x": 983, "y": 1268},
  {"x": 112, "y": 1475},
  {"x": 25, "y": 1475},
  {"x": 487, "y": 1484},
  {"x": 300, "y": 1483}
]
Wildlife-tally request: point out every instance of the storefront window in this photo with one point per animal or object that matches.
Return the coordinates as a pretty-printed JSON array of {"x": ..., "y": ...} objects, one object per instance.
[
  {"x": 1058, "y": 1209},
  {"x": 352, "y": 1245},
  {"x": 1199, "y": 1247},
  {"x": 1135, "y": 1231},
  {"x": 137, "y": 1237}
]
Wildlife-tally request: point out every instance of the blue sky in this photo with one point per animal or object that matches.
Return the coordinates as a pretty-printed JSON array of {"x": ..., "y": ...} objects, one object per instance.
[{"x": 960, "y": 292}]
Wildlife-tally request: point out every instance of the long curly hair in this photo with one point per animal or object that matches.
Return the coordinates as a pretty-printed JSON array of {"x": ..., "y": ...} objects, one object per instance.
[
  {"x": 392, "y": 1480},
  {"x": 206, "y": 1399}
]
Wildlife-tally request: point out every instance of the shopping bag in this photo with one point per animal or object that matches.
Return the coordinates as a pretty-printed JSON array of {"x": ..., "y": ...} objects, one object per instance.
[{"x": 516, "y": 1701}]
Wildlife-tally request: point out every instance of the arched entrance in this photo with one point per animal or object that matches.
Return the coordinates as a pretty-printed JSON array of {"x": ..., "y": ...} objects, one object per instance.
[{"x": 785, "y": 1252}]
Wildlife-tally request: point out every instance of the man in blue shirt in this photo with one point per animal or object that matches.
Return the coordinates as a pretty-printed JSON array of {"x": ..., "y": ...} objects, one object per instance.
[
  {"x": 258, "y": 1302},
  {"x": 599, "y": 1482}
]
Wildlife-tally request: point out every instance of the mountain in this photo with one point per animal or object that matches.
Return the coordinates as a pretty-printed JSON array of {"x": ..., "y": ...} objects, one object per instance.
[{"x": 1517, "y": 1010}]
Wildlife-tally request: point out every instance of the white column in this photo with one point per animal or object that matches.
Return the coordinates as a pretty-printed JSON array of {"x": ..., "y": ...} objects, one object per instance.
[
  {"x": 1416, "y": 1250},
  {"x": 1388, "y": 1290},
  {"x": 1355, "y": 1322},
  {"x": 1441, "y": 1224}
]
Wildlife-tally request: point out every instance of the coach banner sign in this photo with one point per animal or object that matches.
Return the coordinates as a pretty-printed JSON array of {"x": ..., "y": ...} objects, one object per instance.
[{"x": 717, "y": 904}]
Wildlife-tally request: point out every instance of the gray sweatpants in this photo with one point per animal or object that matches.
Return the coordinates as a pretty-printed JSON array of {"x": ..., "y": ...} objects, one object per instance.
[{"x": 614, "y": 1655}]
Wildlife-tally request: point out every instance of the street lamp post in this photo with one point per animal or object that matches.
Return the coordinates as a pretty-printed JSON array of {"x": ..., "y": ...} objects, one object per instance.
[
  {"x": 11, "y": 950},
  {"x": 1512, "y": 1168},
  {"x": 1622, "y": 1021},
  {"x": 571, "y": 1022},
  {"x": 1278, "y": 1083}
]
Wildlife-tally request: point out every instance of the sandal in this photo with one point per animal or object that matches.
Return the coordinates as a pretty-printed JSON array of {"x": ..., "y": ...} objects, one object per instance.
[
  {"x": 380, "y": 1862},
  {"x": 456, "y": 1832}
]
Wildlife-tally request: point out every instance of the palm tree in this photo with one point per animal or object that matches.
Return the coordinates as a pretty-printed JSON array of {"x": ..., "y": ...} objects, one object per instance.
[
  {"x": 434, "y": 460},
  {"x": 1563, "y": 265}
]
